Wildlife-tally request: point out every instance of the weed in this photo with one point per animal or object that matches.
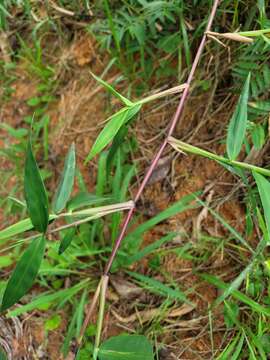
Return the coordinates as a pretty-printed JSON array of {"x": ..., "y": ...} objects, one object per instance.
[{"x": 155, "y": 35}]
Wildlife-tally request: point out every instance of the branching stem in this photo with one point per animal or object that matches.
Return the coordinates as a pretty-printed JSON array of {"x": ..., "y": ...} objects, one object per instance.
[{"x": 174, "y": 121}]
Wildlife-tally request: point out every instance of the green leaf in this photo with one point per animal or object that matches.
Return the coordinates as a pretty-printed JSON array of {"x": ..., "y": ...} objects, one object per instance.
[
  {"x": 157, "y": 287},
  {"x": 230, "y": 313},
  {"x": 111, "y": 129},
  {"x": 236, "y": 294},
  {"x": 226, "y": 225},
  {"x": 17, "y": 133},
  {"x": 117, "y": 141},
  {"x": 108, "y": 87},
  {"x": 261, "y": 106},
  {"x": 19, "y": 227},
  {"x": 66, "y": 241},
  {"x": 133, "y": 239},
  {"x": 53, "y": 322},
  {"x": 83, "y": 199},
  {"x": 149, "y": 249},
  {"x": 24, "y": 273},
  {"x": 235, "y": 284},
  {"x": 258, "y": 136},
  {"x": 35, "y": 193},
  {"x": 233, "y": 349},
  {"x": 126, "y": 347},
  {"x": 238, "y": 348},
  {"x": 264, "y": 191},
  {"x": 46, "y": 299},
  {"x": 65, "y": 186},
  {"x": 5, "y": 261},
  {"x": 34, "y": 101},
  {"x": 181, "y": 146},
  {"x": 15, "y": 229},
  {"x": 70, "y": 331},
  {"x": 238, "y": 124}
]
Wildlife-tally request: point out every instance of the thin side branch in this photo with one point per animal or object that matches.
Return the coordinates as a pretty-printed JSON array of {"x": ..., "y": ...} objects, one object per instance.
[{"x": 174, "y": 121}]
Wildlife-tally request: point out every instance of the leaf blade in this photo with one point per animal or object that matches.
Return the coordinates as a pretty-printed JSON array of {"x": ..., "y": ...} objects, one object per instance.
[
  {"x": 238, "y": 123},
  {"x": 66, "y": 183},
  {"x": 111, "y": 129},
  {"x": 236, "y": 294},
  {"x": 35, "y": 193},
  {"x": 126, "y": 347},
  {"x": 109, "y": 88},
  {"x": 264, "y": 191},
  {"x": 24, "y": 273},
  {"x": 19, "y": 227},
  {"x": 158, "y": 287},
  {"x": 66, "y": 241}
]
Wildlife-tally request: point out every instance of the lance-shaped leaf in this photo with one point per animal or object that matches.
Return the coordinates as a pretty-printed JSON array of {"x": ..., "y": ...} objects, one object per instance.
[
  {"x": 111, "y": 129},
  {"x": 66, "y": 241},
  {"x": 24, "y": 273},
  {"x": 238, "y": 124},
  {"x": 84, "y": 199},
  {"x": 19, "y": 227},
  {"x": 264, "y": 191},
  {"x": 66, "y": 183},
  {"x": 126, "y": 347},
  {"x": 107, "y": 86},
  {"x": 117, "y": 141},
  {"x": 35, "y": 193},
  {"x": 255, "y": 306}
]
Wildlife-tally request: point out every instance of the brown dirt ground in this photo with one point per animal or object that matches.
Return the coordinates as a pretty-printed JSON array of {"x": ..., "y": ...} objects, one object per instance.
[{"x": 77, "y": 116}]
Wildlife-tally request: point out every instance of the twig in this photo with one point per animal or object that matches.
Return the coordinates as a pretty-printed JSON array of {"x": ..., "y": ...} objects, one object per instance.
[
  {"x": 103, "y": 290},
  {"x": 62, "y": 10},
  {"x": 229, "y": 36},
  {"x": 89, "y": 312},
  {"x": 174, "y": 121}
]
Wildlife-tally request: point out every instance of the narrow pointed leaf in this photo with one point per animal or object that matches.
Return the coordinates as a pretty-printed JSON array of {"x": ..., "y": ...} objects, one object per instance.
[
  {"x": 112, "y": 128},
  {"x": 35, "y": 193},
  {"x": 83, "y": 199},
  {"x": 117, "y": 141},
  {"x": 236, "y": 294},
  {"x": 15, "y": 229},
  {"x": 24, "y": 273},
  {"x": 134, "y": 239},
  {"x": 235, "y": 284},
  {"x": 149, "y": 249},
  {"x": 108, "y": 87},
  {"x": 66, "y": 183},
  {"x": 66, "y": 241},
  {"x": 49, "y": 298},
  {"x": 126, "y": 347},
  {"x": 238, "y": 124},
  {"x": 19, "y": 227},
  {"x": 264, "y": 191},
  {"x": 158, "y": 287},
  {"x": 229, "y": 349}
]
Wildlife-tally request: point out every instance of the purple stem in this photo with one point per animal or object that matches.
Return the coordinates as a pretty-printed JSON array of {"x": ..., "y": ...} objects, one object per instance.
[{"x": 174, "y": 121}]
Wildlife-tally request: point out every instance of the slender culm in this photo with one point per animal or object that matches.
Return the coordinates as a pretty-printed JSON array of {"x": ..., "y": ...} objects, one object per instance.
[{"x": 176, "y": 118}]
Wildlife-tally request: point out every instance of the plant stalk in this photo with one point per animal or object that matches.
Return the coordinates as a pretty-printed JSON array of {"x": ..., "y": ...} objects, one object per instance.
[
  {"x": 182, "y": 146},
  {"x": 175, "y": 119},
  {"x": 104, "y": 285}
]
